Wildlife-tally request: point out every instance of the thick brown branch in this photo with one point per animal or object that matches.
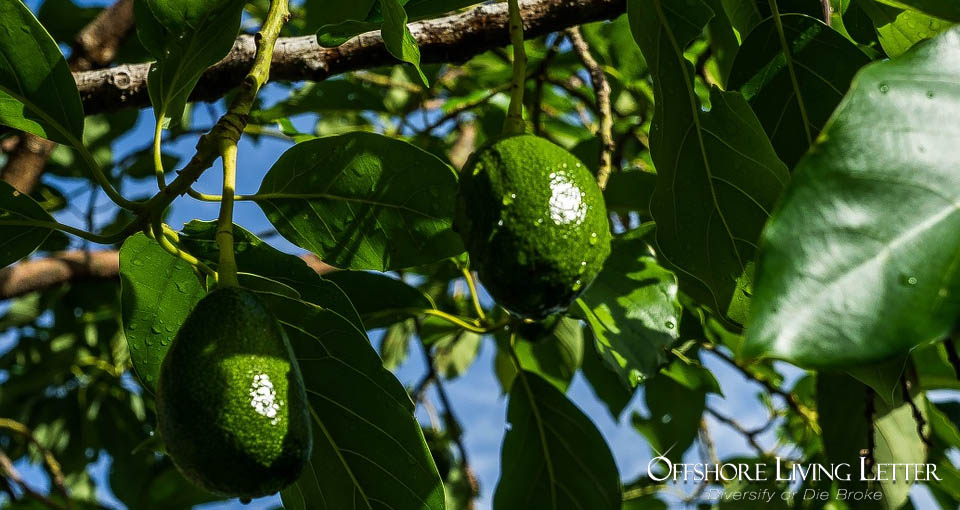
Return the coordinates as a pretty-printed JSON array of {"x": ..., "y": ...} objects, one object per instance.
[
  {"x": 453, "y": 38},
  {"x": 43, "y": 273}
]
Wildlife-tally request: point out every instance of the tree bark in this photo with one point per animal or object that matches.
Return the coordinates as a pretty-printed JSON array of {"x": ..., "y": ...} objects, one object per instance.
[
  {"x": 43, "y": 273},
  {"x": 454, "y": 38}
]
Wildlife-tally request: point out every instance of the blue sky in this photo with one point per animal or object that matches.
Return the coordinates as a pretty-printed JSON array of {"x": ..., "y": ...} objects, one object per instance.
[{"x": 476, "y": 394}]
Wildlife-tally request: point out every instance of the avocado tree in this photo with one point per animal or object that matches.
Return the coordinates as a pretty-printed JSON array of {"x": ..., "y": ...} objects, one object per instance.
[{"x": 640, "y": 197}]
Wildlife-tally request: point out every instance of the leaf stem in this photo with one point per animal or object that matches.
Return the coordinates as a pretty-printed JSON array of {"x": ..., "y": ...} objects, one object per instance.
[
  {"x": 55, "y": 225},
  {"x": 227, "y": 268},
  {"x": 102, "y": 180},
  {"x": 473, "y": 293},
  {"x": 157, "y": 155},
  {"x": 166, "y": 238},
  {"x": 514, "y": 124}
]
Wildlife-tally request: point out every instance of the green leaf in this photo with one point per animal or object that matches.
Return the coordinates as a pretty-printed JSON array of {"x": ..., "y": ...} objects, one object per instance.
[
  {"x": 744, "y": 15},
  {"x": 671, "y": 426},
  {"x": 555, "y": 358},
  {"x": 363, "y": 201},
  {"x": 158, "y": 292},
  {"x": 630, "y": 191},
  {"x": 943, "y": 9},
  {"x": 17, "y": 241},
  {"x": 900, "y": 29},
  {"x": 368, "y": 447},
  {"x": 607, "y": 385},
  {"x": 259, "y": 258},
  {"x": 380, "y": 299},
  {"x": 632, "y": 310},
  {"x": 842, "y": 413},
  {"x": 934, "y": 370},
  {"x": 824, "y": 63},
  {"x": 37, "y": 91},
  {"x": 455, "y": 352},
  {"x": 397, "y": 37},
  {"x": 839, "y": 279},
  {"x": 553, "y": 457},
  {"x": 186, "y": 37},
  {"x": 717, "y": 174}
]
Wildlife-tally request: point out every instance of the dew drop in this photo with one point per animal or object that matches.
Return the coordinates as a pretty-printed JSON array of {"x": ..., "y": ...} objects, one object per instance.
[
  {"x": 156, "y": 329},
  {"x": 137, "y": 262},
  {"x": 912, "y": 280},
  {"x": 132, "y": 326},
  {"x": 577, "y": 285},
  {"x": 884, "y": 88},
  {"x": 594, "y": 239},
  {"x": 669, "y": 324}
]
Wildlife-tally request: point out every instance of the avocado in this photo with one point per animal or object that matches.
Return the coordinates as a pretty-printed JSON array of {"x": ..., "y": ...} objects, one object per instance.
[
  {"x": 231, "y": 405},
  {"x": 534, "y": 223}
]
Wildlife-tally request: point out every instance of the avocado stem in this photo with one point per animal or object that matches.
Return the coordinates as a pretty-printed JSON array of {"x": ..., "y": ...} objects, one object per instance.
[
  {"x": 227, "y": 268},
  {"x": 514, "y": 124},
  {"x": 473, "y": 293}
]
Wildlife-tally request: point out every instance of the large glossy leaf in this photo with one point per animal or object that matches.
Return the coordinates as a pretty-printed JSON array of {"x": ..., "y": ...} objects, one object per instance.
[
  {"x": 18, "y": 241},
  {"x": 632, "y": 310},
  {"x": 717, "y": 174},
  {"x": 158, "y": 292},
  {"x": 824, "y": 63},
  {"x": 899, "y": 29},
  {"x": 37, "y": 91},
  {"x": 553, "y": 457},
  {"x": 186, "y": 37},
  {"x": 859, "y": 263},
  {"x": 368, "y": 450},
  {"x": 256, "y": 257},
  {"x": 363, "y": 201}
]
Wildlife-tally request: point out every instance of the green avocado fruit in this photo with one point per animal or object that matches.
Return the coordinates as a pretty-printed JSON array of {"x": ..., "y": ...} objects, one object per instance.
[
  {"x": 534, "y": 223},
  {"x": 231, "y": 404}
]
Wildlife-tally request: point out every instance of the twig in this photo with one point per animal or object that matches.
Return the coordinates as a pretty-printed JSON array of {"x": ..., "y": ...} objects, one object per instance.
[
  {"x": 952, "y": 355},
  {"x": 49, "y": 461},
  {"x": 602, "y": 90},
  {"x": 917, "y": 415},
  {"x": 750, "y": 435},
  {"x": 788, "y": 397},
  {"x": 870, "y": 410},
  {"x": 450, "y": 420},
  {"x": 827, "y": 12}
]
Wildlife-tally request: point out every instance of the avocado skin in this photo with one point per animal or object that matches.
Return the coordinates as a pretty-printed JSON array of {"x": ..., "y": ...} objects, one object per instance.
[
  {"x": 226, "y": 429},
  {"x": 534, "y": 223}
]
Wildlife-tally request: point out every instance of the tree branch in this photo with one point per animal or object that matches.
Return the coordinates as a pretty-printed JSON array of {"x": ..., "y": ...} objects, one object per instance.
[
  {"x": 42, "y": 273},
  {"x": 602, "y": 89},
  {"x": 454, "y": 38}
]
